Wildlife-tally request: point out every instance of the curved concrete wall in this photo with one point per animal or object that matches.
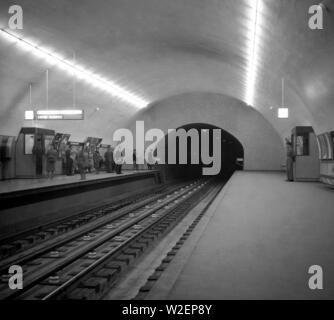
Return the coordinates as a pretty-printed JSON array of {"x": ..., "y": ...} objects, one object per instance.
[{"x": 264, "y": 149}]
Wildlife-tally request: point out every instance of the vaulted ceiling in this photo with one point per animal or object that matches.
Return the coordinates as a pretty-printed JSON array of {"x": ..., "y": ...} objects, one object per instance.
[{"x": 160, "y": 48}]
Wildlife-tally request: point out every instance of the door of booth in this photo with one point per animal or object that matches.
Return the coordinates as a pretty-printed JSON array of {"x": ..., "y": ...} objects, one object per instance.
[{"x": 307, "y": 165}]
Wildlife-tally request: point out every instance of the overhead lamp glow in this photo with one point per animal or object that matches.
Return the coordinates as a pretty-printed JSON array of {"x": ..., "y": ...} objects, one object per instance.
[
  {"x": 253, "y": 47},
  {"x": 76, "y": 70},
  {"x": 283, "y": 113}
]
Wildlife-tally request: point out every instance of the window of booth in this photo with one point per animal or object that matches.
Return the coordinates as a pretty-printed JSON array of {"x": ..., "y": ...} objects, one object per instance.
[
  {"x": 29, "y": 140},
  {"x": 329, "y": 146},
  {"x": 302, "y": 145},
  {"x": 326, "y": 146}
]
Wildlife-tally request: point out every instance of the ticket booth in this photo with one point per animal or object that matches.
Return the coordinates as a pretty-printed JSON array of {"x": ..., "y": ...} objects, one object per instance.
[
  {"x": 31, "y": 147},
  {"x": 7, "y": 157},
  {"x": 305, "y": 146}
]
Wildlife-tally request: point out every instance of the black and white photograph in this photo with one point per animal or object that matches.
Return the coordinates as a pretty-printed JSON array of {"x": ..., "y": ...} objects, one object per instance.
[{"x": 165, "y": 156}]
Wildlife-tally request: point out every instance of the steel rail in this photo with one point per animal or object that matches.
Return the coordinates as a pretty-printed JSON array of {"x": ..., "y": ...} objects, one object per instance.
[
  {"x": 41, "y": 273},
  {"x": 78, "y": 277},
  {"x": 41, "y": 248}
]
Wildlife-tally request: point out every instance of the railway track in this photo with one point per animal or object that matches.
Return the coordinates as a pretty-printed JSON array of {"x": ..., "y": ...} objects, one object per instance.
[
  {"x": 179, "y": 242},
  {"x": 85, "y": 262},
  {"x": 10, "y": 248}
]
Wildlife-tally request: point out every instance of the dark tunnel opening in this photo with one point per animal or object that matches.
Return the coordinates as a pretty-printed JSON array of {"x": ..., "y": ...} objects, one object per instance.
[{"x": 231, "y": 154}]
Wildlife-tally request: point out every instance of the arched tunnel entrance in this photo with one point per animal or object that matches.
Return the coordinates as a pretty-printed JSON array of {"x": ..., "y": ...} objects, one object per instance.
[{"x": 231, "y": 153}]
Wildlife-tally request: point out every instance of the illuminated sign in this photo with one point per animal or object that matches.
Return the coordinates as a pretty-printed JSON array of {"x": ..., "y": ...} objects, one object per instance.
[
  {"x": 74, "y": 114},
  {"x": 60, "y": 114}
]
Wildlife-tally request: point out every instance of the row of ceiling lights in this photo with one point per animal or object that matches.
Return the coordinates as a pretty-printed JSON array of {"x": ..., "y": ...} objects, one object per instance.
[
  {"x": 254, "y": 38},
  {"x": 74, "y": 69},
  {"x": 254, "y": 27}
]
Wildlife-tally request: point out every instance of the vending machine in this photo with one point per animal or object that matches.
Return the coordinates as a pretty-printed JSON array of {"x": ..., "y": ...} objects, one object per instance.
[{"x": 305, "y": 146}]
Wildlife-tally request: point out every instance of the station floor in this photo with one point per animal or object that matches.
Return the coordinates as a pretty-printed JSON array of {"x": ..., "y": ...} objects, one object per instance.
[
  {"x": 25, "y": 184},
  {"x": 257, "y": 241}
]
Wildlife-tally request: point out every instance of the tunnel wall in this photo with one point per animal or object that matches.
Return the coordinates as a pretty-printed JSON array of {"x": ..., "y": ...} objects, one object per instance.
[{"x": 263, "y": 146}]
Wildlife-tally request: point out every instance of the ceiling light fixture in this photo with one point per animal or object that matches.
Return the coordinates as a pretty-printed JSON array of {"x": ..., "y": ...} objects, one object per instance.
[
  {"x": 75, "y": 69},
  {"x": 283, "y": 113},
  {"x": 253, "y": 48},
  {"x": 29, "y": 115}
]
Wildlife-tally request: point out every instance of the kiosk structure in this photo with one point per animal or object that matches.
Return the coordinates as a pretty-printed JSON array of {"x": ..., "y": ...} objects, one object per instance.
[
  {"x": 31, "y": 147},
  {"x": 305, "y": 147}
]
